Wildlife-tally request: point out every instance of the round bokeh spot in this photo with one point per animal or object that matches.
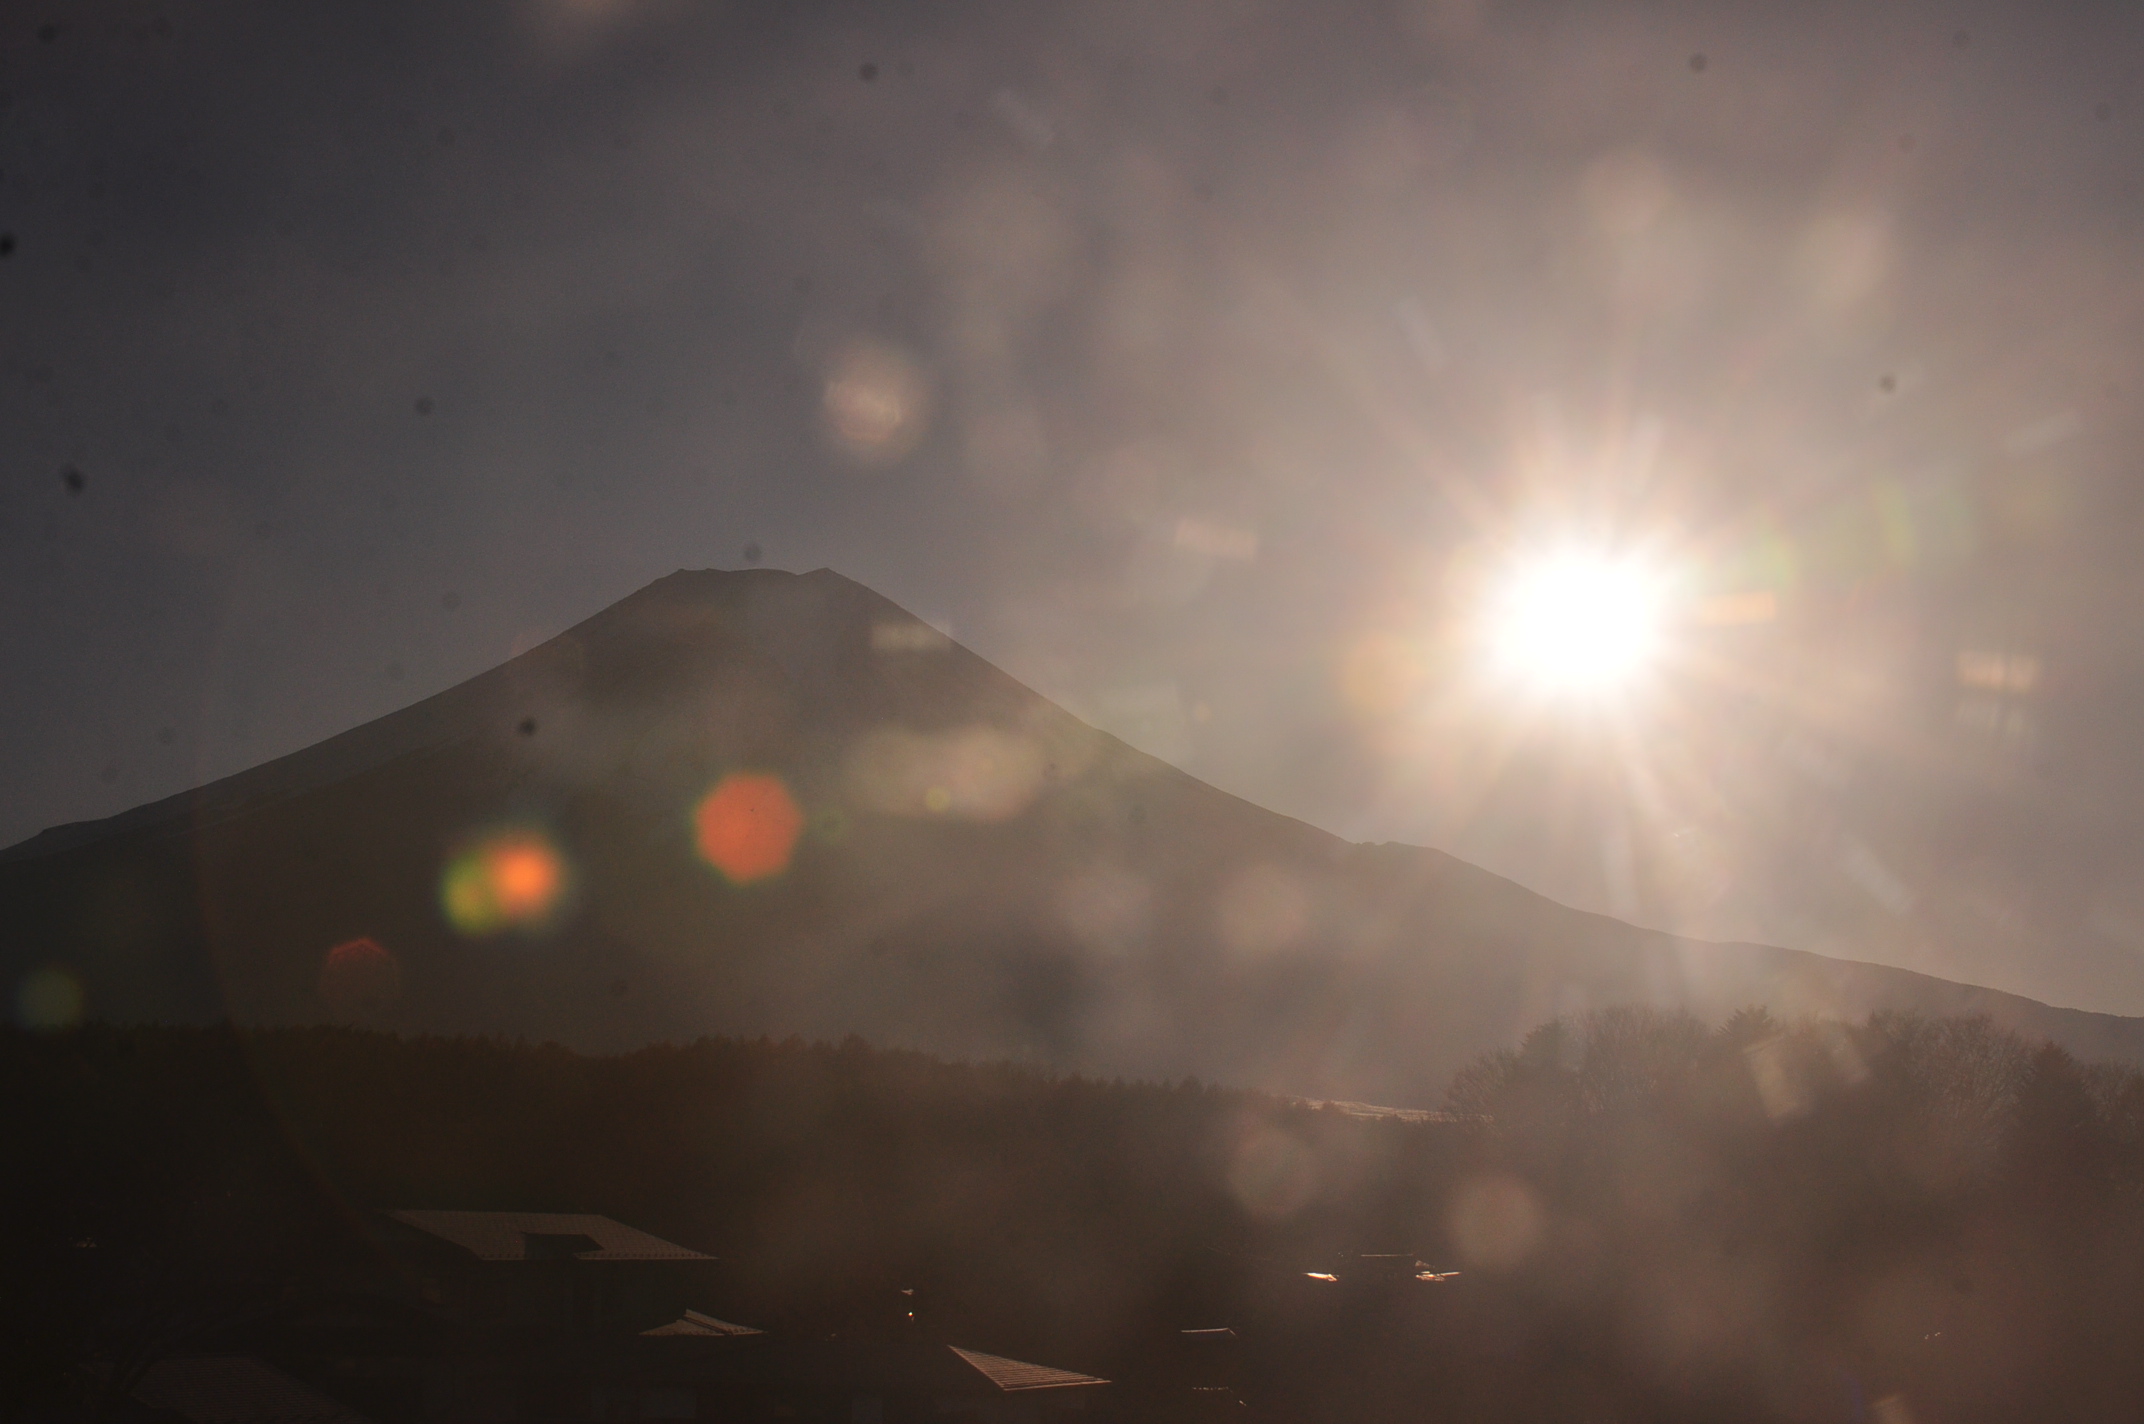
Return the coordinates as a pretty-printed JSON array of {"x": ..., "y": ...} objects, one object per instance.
[
  {"x": 360, "y": 976},
  {"x": 747, "y": 827},
  {"x": 49, "y": 1000},
  {"x": 513, "y": 879}
]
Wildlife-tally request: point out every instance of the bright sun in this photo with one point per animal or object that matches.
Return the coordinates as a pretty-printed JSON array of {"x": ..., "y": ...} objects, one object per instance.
[{"x": 1575, "y": 621}]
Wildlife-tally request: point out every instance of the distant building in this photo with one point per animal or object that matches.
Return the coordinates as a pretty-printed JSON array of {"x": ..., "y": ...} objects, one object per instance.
[
  {"x": 701, "y": 1367},
  {"x": 561, "y": 1271},
  {"x": 499, "y": 1317},
  {"x": 908, "y": 1382},
  {"x": 693, "y": 1324}
]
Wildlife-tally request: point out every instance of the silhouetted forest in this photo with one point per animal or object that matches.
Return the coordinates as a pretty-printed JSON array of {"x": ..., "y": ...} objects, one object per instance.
[
  {"x": 1908, "y": 1219},
  {"x": 170, "y": 1178}
]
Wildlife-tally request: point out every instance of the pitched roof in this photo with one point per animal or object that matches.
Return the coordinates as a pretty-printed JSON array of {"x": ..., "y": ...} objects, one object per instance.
[
  {"x": 692, "y": 1322},
  {"x": 505, "y": 1235},
  {"x": 236, "y": 1389},
  {"x": 1011, "y": 1375}
]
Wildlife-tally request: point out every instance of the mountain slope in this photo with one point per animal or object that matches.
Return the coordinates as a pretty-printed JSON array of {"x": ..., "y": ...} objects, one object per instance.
[{"x": 979, "y": 873}]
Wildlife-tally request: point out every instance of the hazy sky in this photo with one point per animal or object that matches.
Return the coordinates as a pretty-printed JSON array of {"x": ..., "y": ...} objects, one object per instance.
[{"x": 1199, "y": 363}]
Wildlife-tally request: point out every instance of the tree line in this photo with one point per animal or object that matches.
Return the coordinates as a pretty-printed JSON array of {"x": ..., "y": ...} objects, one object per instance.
[{"x": 1906, "y": 1219}]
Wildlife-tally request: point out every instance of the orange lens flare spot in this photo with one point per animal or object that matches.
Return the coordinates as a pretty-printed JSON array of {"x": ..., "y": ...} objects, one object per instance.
[
  {"x": 747, "y": 827},
  {"x": 514, "y": 880},
  {"x": 524, "y": 880}
]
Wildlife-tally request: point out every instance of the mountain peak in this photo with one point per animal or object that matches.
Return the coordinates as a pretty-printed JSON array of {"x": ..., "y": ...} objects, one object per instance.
[{"x": 752, "y": 801}]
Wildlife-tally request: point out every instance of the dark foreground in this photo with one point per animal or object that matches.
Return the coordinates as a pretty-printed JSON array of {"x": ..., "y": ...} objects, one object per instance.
[{"x": 1908, "y": 1220}]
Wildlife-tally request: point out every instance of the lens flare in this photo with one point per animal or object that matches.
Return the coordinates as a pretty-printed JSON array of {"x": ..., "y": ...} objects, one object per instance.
[
  {"x": 1496, "y": 1222},
  {"x": 976, "y": 773},
  {"x": 747, "y": 827},
  {"x": 1383, "y": 674},
  {"x": 876, "y": 402},
  {"x": 1262, "y": 909},
  {"x": 510, "y": 880},
  {"x": 360, "y": 976},
  {"x": 1272, "y": 1173},
  {"x": 1107, "y": 909},
  {"x": 1576, "y": 621},
  {"x": 48, "y": 1000}
]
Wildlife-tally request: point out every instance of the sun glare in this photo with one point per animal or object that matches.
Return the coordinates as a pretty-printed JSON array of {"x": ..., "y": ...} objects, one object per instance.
[{"x": 1576, "y": 622}]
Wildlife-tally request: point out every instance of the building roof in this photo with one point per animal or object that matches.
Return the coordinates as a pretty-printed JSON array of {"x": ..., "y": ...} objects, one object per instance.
[
  {"x": 236, "y": 1389},
  {"x": 692, "y": 1322},
  {"x": 1012, "y": 1375},
  {"x": 535, "y": 1235},
  {"x": 1378, "y": 1110}
]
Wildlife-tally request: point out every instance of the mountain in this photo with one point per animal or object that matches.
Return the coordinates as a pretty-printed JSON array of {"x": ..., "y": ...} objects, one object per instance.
[{"x": 918, "y": 849}]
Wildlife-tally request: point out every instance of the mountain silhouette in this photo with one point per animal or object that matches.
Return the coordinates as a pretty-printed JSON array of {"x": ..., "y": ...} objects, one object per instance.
[{"x": 757, "y": 802}]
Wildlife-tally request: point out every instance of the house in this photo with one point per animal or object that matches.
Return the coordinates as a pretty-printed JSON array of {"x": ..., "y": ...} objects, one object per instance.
[
  {"x": 484, "y": 1317},
  {"x": 545, "y": 1271},
  {"x": 699, "y": 1367},
  {"x": 854, "y": 1381}
]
